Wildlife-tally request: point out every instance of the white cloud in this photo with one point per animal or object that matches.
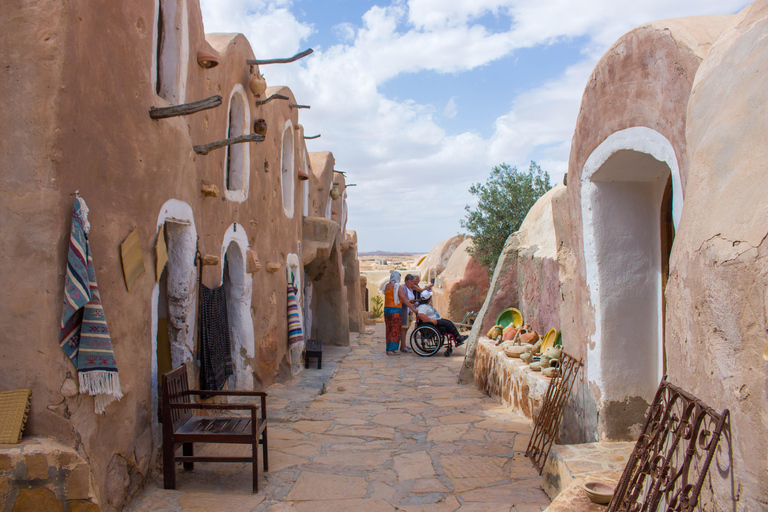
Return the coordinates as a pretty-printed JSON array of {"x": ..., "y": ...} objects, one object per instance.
[{"x": 404, "y": 162}]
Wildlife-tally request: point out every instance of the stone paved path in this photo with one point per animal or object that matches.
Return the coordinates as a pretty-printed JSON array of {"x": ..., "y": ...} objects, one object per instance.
[{"x": 391, "y": 433}]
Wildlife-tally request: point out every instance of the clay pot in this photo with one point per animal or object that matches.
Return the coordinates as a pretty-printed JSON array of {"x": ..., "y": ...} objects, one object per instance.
[
  {"x": 510, "y": 332},
  {"x": 335, "y": 193},
  {"x": 529, "y": 337},
  {"x": 553, "y": 353},
  {"x": 495, "y": 332},
  {"x": 551, "y": 372},
  {"x": 515, "y": 350},
  {"x": 536, "y": 366},
  {"x": 527, "y": 356},
  {"x": 257, "y": 85},
  {"x": 260, "y": 127},
  {"x": 303, "y": 176}
]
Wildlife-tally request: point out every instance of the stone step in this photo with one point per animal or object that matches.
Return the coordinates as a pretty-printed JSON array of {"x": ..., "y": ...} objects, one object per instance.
[{"x": 571, "y": 462}]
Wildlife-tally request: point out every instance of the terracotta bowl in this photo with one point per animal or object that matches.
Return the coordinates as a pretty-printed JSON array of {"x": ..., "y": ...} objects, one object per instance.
[{"x": 599, "y": 491}]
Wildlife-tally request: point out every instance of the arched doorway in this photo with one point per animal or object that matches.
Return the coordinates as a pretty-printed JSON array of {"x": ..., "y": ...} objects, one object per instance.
[
  {"x": 173, "y": 297},
  {"x": 628, "y": 194},
  {"x": 238, "y": 287}
]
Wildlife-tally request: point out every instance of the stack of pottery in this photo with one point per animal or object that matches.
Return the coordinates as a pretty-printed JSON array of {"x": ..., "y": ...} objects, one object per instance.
[
  {"x": 496, "y": 333},
  {"x": 549, "y": 362}
]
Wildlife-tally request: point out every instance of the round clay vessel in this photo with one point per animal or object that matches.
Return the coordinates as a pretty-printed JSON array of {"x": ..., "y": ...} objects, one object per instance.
[
  {"x": 599, "y": 491},
  {"x": 514, "y": 350},
  {"x": 257, "y": 85},
  {"x": 510, "y": 332},
  {"x": 526, "y": 356},
  {"x": 552, "y": 352},
  {"x": 550, "y": 372},
  {"x": 529, "y": 337},
  {"x": 494, "y": 332},
  {"x": 536, "y": 366}
]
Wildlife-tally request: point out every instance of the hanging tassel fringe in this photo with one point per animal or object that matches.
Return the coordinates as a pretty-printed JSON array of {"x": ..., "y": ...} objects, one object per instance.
[{"x": 103, "y": 386}]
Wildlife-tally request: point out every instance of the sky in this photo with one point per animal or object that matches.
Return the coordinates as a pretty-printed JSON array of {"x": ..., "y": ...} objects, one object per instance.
[{"x": 419, "y": 99}]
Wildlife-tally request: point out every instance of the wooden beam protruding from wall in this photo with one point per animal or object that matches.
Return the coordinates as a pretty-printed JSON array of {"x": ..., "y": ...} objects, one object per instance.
[
  {"x": 261, "y": 62},
  {"x": 185, "y": 109},
  {"x": 207, "y": 148}
]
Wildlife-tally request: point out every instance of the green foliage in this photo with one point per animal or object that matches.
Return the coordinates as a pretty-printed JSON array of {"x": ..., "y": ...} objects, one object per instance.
[
  {"x": 377, "y": 306},
  {"x": 503, "y": 202}
]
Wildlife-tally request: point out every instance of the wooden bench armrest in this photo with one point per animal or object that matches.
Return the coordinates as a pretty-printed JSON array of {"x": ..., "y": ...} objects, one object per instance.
[
  {"x": 223, "y": 393},
  {"x": 218, "y": 407}
]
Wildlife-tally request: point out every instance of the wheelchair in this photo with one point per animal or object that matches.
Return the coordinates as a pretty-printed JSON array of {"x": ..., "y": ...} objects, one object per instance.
[{"x": 427, "y": 340}]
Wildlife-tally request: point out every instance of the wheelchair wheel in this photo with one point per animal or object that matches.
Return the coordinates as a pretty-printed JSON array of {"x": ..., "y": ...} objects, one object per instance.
[{"x": 426, "y": 340}]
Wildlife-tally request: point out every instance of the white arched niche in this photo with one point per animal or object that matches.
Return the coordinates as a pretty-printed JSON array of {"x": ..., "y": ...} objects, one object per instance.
[
  {"x": 238, "y": 287},
  {"x": 287, "y": 172},
  {"x": 622, "y": 185},
  {"x": 181, "y": 285},
  {"x": 237, "y": 161},
  {"x": 171, "y": 56}
]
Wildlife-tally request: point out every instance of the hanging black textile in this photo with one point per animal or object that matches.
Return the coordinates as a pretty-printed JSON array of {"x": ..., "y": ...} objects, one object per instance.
[{"x": 215, "y": 353}]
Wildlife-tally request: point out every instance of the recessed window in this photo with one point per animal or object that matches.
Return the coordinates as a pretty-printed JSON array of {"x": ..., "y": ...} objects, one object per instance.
[
  {"x": 171, "y": 50},
  {"x": 237, "y": 155},
  {"x": 287, "y": 174}
]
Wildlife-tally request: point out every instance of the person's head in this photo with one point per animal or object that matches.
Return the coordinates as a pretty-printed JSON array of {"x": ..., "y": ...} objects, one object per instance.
[
  {"x": 394, "y": 277},
  {"x": 416, "y": 279},
  {"x": 409, "y": 282},
  {"x": 425, "y": 297}
]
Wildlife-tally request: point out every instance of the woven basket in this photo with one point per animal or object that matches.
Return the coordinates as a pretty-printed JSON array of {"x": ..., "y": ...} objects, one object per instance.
[{"x": 14, "y": 409}]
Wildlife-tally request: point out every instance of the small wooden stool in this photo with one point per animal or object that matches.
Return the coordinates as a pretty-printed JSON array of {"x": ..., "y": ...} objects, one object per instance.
[{"x": 314, "y": 348}]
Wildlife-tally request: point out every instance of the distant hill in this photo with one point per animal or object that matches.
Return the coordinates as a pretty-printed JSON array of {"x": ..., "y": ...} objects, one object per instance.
[{"x": 386, "y": 253}]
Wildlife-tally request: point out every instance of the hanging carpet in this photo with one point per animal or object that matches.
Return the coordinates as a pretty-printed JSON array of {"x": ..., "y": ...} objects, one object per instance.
[
  {"x": 83, "y": 332},
  {"x": 215, "y": 354}
]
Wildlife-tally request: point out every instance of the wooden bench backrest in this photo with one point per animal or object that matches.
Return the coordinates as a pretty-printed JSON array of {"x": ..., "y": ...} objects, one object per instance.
[{"x": 175, "y": 386}]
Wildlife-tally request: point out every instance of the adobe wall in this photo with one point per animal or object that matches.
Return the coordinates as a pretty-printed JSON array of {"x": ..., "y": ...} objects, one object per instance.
[
  {"x": 718, "y": 289},
  {"x": 462, "y": 286},
  {"x": 76, "y": 118},
  {"x": 437, "y": 258},
  {"x": 639, "y": 90}
]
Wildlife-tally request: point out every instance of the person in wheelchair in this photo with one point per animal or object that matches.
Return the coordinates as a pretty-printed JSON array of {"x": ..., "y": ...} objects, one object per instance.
[{"x": 428, "y": 314}]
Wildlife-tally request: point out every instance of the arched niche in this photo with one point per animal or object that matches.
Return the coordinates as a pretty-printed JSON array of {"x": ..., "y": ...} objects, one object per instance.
[
  {"x": 175, "y": 310},
  {"x": 237, "y": 156},
  {"x": 238, "y": 288},
  {"x": 626, "y": 247},
  {"x": 305, "y": 186},
  {"x": 287, "y": 172},
  {"x": 170, "y": 59}
]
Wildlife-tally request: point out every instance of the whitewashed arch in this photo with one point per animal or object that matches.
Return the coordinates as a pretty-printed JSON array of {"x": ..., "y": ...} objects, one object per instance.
[
  {"x": 622, "y": 185},
  {"x": 179, "y": 220},
  {"x": 237, "y": 157},
  {"x": 287, "y": 169},
  {"x": 170, "y": 58},
  {"x": 234, "y": 250}
]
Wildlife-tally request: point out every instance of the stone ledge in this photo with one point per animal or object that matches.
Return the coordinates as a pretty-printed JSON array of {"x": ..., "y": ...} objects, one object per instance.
[
  {"x": 571, "y": 462},
  {"x": 508, "y": 379},
  {"x": 42, "y": 474}
]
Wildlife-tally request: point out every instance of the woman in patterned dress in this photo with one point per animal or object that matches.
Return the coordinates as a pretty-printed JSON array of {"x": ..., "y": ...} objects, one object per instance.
[{"x": 394, "y": 295}]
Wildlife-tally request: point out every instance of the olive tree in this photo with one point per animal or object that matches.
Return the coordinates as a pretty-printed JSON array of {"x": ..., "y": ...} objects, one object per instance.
[{"x": 502, "y": 204}]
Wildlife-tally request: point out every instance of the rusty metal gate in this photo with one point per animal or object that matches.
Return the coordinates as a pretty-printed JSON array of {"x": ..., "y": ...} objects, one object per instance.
[
  {"x": 547, "y": 422},
  {"x": 672, "y": 456}
]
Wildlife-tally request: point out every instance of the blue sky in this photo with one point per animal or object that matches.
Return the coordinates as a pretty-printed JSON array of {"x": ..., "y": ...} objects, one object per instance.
[{"x": 418, "y": 99}]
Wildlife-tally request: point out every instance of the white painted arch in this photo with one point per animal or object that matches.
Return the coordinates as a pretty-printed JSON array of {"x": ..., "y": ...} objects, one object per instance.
[
  {"x": 179, "y": 220},
  {"x": 239, "y": 292},
  {"x": 237, "y": 157},
  {"x": 287, "y": 169},
  {"x": 622, "y": 185}
]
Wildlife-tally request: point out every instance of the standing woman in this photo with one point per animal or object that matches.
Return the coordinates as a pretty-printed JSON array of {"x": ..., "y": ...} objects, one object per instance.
[{"x": 394, "y": 295}]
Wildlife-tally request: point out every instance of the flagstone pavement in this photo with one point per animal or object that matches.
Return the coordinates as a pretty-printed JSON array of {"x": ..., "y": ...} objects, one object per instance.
[{"x": 389, "y": 433}]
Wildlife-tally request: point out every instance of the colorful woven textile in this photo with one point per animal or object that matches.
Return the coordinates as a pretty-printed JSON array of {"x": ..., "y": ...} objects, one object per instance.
[
  {"x": 215, "y": 351},
  {"x": 83, "y": 332},
  {"x": 295, "y": 333}
]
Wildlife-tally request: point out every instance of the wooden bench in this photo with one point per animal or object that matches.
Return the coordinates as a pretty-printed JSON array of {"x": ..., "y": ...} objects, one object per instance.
[
  {"x": 313, "y": 348},
  {"x": 182, "y": 427}
]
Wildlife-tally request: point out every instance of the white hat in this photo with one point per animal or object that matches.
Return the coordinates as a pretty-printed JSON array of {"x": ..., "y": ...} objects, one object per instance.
[{"x": 426, "y": 295}]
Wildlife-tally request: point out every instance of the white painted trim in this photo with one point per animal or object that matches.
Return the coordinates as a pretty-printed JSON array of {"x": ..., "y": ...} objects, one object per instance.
[
  {"x": 642, "y": 140},
  {"x": 180, "y": 212},
  {"x": 241, "y": 325},
  {"x": 239, "y": 194},
  {"x": 288, "y": 194}
]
